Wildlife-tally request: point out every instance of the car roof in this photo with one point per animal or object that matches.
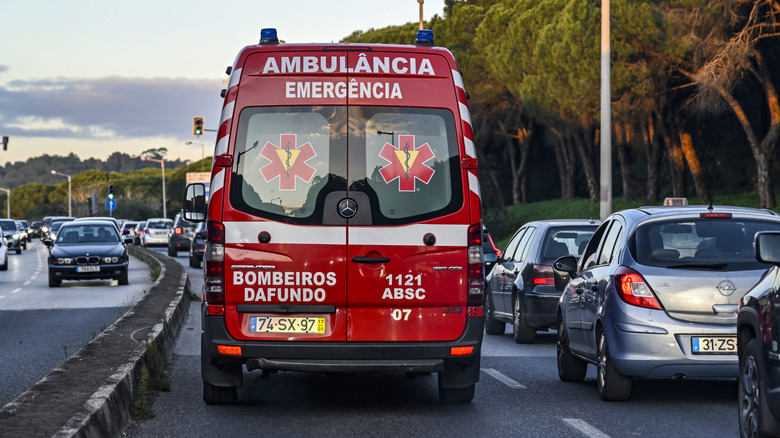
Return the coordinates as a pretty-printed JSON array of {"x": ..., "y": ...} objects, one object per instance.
[
  {"x": 682, "y": 210},
  {"x": 93, "y": 222},
  {"x": 564, "y": 222}
]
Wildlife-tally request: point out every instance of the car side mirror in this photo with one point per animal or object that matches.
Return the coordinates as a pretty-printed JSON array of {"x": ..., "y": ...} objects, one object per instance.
[
  {"x": 48, "y": 242},
  {"x": 767, "y": 245},
  {"x": 567, "y": 264},
  {"x": 194, "y": 206},
  {"x": 563, "y": 269}
]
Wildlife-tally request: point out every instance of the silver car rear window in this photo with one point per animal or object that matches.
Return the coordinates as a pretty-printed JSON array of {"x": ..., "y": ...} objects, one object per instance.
[{"x": 724, "y": 244}]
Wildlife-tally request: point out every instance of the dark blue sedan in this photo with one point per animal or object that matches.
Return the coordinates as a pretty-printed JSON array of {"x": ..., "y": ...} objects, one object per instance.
[{"x": 87, "y": 250}]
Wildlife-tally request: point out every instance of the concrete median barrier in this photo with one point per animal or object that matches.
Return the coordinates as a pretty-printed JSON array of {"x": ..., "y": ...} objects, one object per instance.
[{"x": 90, "y": 393}]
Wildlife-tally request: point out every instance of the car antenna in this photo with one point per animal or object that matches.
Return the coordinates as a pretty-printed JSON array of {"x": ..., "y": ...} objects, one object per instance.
[{"x": 712, "y": 188}]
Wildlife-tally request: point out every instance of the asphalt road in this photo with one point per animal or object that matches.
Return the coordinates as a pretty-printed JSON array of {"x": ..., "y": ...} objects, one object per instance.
[
  {"x": 519, "y": 394},
  {"x": 40, "y": 326}
]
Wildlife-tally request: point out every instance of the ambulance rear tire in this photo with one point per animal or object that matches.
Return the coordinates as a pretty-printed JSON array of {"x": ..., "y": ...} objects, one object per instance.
[
  {"x": 219, "y": 395},
  {"x": 457, "y": 395}
]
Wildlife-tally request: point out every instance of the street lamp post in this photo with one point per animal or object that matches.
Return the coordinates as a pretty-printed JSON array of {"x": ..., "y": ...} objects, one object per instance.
[
  {"x": 203, "y": 148},
  {"x": 162, "y": 164},
  {"x": 70, "y": 192},
  {"x": 8, "y": 200}
]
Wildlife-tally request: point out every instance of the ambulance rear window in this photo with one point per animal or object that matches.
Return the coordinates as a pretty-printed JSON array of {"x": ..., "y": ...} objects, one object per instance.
[
  {"x": 410, "y": 160},
  {"x": 283, "y": 159}
]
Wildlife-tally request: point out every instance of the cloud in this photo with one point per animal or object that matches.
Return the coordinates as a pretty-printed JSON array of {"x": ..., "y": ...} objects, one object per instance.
[{"x": 104, "y": 108}]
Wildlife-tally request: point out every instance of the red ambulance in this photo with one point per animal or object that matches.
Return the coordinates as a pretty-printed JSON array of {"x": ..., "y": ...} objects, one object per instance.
[{"x": 344, "y": 221}]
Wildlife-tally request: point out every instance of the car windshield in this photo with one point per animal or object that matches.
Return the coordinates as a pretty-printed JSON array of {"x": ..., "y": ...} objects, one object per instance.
[
  {"x": 8, "y": 226},
  {"x": 724, "y": 244},
  {"x": 88, "y": 233}
]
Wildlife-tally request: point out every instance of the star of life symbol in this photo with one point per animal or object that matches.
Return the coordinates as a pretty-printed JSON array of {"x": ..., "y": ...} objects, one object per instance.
[
  {"x": 407, "y": 163},
  {"x": 288, "y": 162}
]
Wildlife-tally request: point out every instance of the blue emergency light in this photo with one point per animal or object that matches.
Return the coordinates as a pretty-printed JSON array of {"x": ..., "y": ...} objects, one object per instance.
[
  {"x": 268, "y": 36},
  {"x": 424, "y": 37}
]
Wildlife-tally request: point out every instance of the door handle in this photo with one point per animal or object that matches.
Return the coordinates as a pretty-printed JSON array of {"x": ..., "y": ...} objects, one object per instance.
[{"x": 364, "y": 259}]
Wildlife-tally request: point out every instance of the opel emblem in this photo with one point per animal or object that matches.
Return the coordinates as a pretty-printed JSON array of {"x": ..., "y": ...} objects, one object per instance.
[
  {"x": 347, "y": 208},
  {"x": 726, "y": 287}
]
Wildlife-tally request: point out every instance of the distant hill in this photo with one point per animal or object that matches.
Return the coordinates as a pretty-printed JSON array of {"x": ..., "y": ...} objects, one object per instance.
[{"x": 38, "y": 169}]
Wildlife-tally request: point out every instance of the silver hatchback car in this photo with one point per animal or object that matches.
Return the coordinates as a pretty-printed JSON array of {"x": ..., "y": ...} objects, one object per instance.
[{"x": 656, "y": 295}]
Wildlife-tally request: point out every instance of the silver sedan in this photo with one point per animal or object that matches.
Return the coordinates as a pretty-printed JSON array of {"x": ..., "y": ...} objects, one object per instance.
[{"x": 656, "y": 294}]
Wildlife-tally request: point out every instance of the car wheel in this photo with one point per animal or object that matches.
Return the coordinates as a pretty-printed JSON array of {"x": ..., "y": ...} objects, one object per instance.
[
  {"x": 570, "y": 368},
  {"x": 19, "y": 250},
  {"x": 123, "y": 281},
  {"x": 172, "y": 252},
  {"x": 492, "y": 327},
  {"x": 755, "y": 419},
  {"x": 194, "y": 261},
  {"x": 54, "y": 282},
  {"x": 219, "y": 395},
  {"x": 4, "y": 266},
  {"x": 612, "y": 385},
  {"x": 521, "y": 331}
]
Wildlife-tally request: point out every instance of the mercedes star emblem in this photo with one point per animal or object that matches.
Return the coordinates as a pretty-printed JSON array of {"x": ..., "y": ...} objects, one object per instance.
[{"x": 347, "y": 208}]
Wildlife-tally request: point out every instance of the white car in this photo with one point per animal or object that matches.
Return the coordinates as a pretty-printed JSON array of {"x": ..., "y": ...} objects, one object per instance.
[
  {"x": 156, "y": 232},
  {"x": 3, "y": 254}
]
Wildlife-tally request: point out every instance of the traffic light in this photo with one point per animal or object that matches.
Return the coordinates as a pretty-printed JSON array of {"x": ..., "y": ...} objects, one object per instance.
[
  {"x": 110, "y": 191},
  {"x": 197, "y": 126}
]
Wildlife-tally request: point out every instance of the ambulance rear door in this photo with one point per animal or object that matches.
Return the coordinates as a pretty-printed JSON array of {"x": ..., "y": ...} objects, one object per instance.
[
  {"x": 285, "y": 254},
  {"x": 407, "y": 218}
]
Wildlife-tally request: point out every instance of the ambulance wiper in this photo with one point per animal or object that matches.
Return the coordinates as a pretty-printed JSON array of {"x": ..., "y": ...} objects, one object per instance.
[{"x": 238, "y": 160}]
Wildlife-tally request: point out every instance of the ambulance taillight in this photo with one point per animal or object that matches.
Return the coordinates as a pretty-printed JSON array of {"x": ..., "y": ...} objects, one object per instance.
[
  {"x": 476, "y": 278},
  {"x": 214, "y": 264}
]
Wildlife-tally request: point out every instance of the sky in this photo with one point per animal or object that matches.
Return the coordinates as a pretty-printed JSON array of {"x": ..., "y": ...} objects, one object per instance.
[{"x": 97, "y": 77}]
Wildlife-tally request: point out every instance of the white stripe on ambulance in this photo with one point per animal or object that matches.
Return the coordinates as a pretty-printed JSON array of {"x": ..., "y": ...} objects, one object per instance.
[{"x": 409, "y": 235}]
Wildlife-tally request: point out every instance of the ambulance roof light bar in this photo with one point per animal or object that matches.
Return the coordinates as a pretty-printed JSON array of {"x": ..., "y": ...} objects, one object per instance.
[
  {"x": 268, "y": 36},
  {"x": 424, "y": 37}
]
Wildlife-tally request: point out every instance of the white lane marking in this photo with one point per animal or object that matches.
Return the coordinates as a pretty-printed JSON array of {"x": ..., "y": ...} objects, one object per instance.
[
  {"x": 2, "y": 296},
  {"x": 16, "y": 290},
  {"x": 503, "y": 379},
  {"x": 26, "y": 283},
  {"x": 585, "y": 428}
]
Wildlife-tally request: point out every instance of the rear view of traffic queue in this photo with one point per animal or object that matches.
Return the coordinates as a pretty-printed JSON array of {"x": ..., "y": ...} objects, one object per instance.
[{"x": 344, "y": 221}]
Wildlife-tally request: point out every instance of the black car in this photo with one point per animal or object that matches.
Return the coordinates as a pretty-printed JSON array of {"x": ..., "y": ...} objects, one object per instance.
[
  {"x": 35, "y": 229},
  {"x": 87, "y": 250},
  {"x": 520, "y": 289},
  {"x": 198, "y": 244},
  {"x": 179, "y": 236},
  {"x": 758, "y": 345}
]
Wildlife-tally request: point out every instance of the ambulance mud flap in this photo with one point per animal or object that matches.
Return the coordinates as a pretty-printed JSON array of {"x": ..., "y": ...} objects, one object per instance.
[{"x": 225, "y": 374}]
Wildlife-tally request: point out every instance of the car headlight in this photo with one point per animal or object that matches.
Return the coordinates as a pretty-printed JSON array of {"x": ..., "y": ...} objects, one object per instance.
[
  {"x": 63, "y": 261},
  {"x": 110, "y": 259},
  {"x": 15, "y": 236}
]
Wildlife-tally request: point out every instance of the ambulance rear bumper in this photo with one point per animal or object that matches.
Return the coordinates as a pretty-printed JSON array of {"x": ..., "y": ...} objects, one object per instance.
[{"x": 403, "y": 357}]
